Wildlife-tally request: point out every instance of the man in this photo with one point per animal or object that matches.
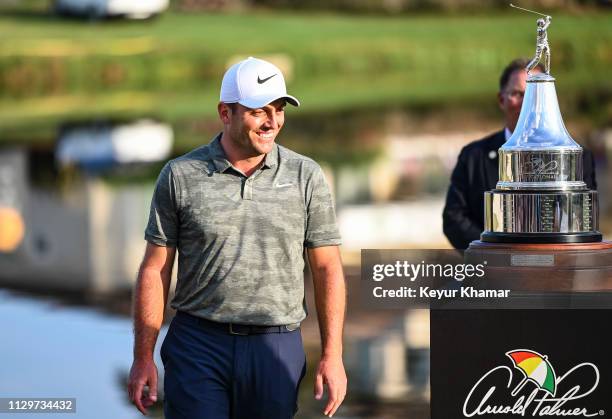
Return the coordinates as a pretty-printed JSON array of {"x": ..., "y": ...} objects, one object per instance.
[
  {"x": 240, "y": 211},
  {"x": 477, "y": 168}
]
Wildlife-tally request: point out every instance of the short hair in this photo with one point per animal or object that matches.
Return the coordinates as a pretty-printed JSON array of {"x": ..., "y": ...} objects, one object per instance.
[
  {"x": 517, "y": 64},
  {"x": 231, "y": 105}
]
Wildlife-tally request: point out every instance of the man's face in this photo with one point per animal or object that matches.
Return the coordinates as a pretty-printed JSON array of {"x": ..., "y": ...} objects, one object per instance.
[
  {"x": 510, "y": 99},
  {"x": 253, "y": 131}
]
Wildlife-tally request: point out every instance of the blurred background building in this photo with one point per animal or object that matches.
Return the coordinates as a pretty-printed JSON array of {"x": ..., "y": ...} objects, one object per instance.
[{"x": 95, "y": 95}]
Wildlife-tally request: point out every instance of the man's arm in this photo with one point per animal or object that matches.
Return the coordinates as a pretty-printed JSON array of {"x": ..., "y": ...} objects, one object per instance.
[
  {"x": 150, "y": 296},
  {"x": 457, "y": 222},
  {"x": 330, "y": 298}
]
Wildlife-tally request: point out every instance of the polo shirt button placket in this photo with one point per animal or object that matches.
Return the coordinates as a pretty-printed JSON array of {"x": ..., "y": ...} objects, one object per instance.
[{"x": 247, "y": 192}]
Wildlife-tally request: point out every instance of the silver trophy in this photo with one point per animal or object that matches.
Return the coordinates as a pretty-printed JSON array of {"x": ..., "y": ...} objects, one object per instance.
[{"x": 541, "y": 196}]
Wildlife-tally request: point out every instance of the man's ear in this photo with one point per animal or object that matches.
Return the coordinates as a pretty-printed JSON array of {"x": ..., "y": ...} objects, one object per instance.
[
  {"x": 225, "y": 112},
  {"x": 500, "y": 100}
]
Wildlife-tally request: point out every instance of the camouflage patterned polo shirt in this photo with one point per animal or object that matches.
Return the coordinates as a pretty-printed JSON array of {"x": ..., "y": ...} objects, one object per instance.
[{"x": 241, "y": 239}]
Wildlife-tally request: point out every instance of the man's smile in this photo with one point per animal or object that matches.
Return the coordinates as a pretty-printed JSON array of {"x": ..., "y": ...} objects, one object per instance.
[{"x": 268, "y": 135}]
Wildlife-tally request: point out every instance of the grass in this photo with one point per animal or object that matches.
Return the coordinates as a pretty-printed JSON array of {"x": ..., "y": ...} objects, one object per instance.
[{"x": 51, "y": 69}]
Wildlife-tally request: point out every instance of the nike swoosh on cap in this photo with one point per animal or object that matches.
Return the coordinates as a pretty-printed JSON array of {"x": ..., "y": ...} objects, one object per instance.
[{"x": 261, "y": 81}]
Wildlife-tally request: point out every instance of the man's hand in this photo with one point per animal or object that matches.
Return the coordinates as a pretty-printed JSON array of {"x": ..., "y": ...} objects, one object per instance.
[
  {"x": 143, "y": 373},
  {"x": 331, "y": 373}
]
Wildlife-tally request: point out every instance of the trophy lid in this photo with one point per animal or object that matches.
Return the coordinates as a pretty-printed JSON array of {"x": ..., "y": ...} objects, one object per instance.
[
  {"x": 540, "y": 154},
  {"x": 540, "y": 125}
]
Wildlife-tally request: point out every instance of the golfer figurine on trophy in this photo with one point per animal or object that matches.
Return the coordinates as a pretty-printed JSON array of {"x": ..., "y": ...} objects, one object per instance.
[{"x": 542, "y": 42}]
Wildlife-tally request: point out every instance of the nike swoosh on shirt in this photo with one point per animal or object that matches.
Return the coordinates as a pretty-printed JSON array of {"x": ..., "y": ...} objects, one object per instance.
[
  {"x": 283, "y": 185},
  {"x": 261, "y": 81}
]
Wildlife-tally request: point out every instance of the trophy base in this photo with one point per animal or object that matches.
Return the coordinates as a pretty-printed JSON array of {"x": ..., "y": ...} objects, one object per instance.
[
  {"x": 542, "y": 217},
  {"x": 541, "y": 238}
]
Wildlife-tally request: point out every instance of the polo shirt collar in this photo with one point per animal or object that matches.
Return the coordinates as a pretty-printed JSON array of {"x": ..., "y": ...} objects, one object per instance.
[
  {"x": 219, "y": 159},
  {"x": 217, "y": 155}
]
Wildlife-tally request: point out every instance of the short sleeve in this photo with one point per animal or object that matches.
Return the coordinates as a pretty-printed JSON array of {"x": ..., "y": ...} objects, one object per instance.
[
  {"x": 162, "y": 227},
  {"x": 321, "y": 226}
]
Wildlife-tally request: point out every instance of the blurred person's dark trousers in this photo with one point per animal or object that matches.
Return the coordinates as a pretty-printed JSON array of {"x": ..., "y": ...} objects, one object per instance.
[{"x": 211, "y": 373}]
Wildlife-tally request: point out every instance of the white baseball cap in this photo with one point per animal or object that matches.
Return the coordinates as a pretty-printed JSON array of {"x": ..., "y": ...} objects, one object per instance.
[{"x": 254, "y": 83}]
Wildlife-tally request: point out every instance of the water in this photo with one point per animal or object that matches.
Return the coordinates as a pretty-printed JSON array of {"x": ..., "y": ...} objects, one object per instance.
[{"x": 51, "y": 350}]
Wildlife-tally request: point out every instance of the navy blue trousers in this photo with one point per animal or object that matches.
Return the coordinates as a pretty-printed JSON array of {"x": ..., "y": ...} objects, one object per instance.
[{"x": 211, "y": 374}]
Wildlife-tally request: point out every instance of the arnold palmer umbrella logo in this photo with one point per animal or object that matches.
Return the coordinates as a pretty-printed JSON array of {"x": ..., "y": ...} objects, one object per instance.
[
  {"x": 536, "y": 368},
  {"x": 532, "y": 388}
]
